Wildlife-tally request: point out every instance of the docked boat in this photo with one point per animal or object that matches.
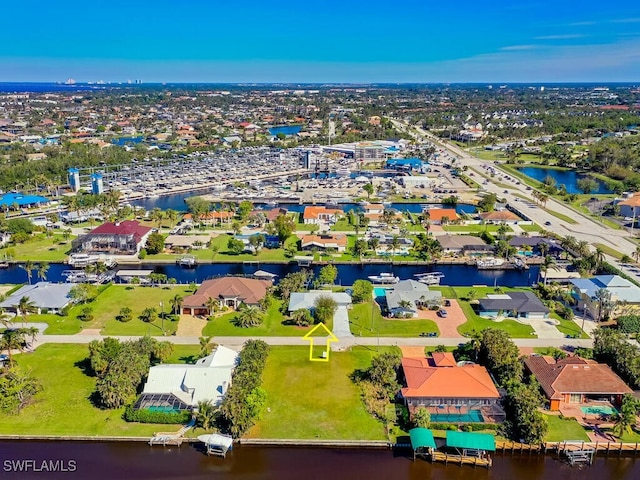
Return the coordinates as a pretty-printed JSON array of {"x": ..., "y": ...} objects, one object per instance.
[
  {"x": 81, "y": 260},
  {"x": 188, "y": 261},
  {"x": 384, "y": 278},
  {"x": 489, "y": 263},
  {"x": 343, "y": 172}
]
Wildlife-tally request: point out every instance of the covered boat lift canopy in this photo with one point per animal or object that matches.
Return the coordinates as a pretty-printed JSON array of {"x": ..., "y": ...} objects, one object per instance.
[
  {"x": 422, "y": 441},
  {"x": 471, "y": 444}
]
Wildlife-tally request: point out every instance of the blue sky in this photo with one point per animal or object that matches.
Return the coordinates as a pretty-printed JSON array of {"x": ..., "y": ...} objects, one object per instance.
[{"x": 322, "y": 41}]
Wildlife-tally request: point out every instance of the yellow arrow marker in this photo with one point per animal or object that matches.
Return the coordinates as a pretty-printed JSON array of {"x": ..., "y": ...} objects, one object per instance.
[{"x": 330, "y": 337}]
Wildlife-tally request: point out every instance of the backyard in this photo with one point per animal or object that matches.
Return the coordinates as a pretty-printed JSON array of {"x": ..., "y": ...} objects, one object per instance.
[
  {"x": 366, "y": 320},
  {"x": 315, "y": 400}
]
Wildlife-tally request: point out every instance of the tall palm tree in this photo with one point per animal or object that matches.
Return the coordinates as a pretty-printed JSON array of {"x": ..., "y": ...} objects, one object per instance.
[
  {"x": 636, "y": 254},
  {"x": 394, "y": 244},
  {"x": 205, "y": 346},
  {"x": 25, "y": 307},
  {"x": 604, "y": 301},
  {"x": 43, "y": 268},
  {"x": 28, "y": 266},
  {"x": 5, "y": 318},
  {"x": 16, "y": 339},
  {"x": 176, "y": 303},
  {"x": 212, "y": 305},
  {"x": 171, "y": 216},
  {"x": 157, "y": 216},
  {"x": 548, "y": 264}
]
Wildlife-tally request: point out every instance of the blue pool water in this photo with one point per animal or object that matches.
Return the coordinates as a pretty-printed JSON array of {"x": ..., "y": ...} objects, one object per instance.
[
  {"x": 286, "y": 129},
  {"x": 470, "y": 416},
  {"x": 162, "y": 409},
  {"x": 379, "y": 292},
  {"x": 599, "y": 410}
]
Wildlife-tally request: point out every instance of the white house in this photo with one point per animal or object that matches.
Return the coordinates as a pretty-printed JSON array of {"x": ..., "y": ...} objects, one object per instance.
[
  {"x": 181, "y": 387},
  {"x": 585, "y": 291},
  {"x": 51, "y": 297}
]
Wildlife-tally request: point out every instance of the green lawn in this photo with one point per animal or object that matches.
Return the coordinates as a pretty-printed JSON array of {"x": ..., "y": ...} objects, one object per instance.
[
  {"x": 569, "y": 327},
  {"x": 366, "y": 320},
  {"x": 63, "y": 407},
  {"x": 609, "y": 251},
  {"x": 561, "y": 429},
  {"x": 40, "y": 249},
  {"x": 273, "y": 325},
  {"x": 315, "y": 400},
  {"x": 531, "y": 228},
  {"x": 108, "y": 304}
]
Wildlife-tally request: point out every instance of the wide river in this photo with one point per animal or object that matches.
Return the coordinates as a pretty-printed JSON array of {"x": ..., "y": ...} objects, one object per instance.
[{"x": 137, "y": 461}]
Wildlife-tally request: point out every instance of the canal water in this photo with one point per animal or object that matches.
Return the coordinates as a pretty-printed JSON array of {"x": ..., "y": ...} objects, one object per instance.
[
  {"x": 137, "y": 461},
  {"x": 454, "y": 275},
  {"x": 568, "y": 178}
]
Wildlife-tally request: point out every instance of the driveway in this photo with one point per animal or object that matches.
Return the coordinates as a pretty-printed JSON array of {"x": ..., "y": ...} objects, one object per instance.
[
  {"x": 341, "y": 323},
  {"x": 543, "y": 327},
  {"x": 448, "y": 326}
]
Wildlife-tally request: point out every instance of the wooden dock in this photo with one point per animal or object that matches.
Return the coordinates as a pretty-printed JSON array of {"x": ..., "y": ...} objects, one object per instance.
[{"x": 447, "y": 458}]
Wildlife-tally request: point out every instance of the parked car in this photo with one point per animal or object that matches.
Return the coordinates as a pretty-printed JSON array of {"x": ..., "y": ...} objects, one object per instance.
[
  {"x": 442, "y": 313},
  {"x": 447, "y": 303},
  {"x": 547, "y": 223}
]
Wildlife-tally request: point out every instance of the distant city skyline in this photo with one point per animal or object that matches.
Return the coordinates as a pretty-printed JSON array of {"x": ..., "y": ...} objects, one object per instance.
[{"x": 330, "y": 41}]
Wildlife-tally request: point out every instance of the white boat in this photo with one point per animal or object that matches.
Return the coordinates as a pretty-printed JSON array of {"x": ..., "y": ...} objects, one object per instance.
[
  {"x": 343, "y": 172},
  {"x": 430, "y": 274},
  {"x": 384, "y": 278},
  {"x": 187, "y": 261},
  {"x": 489, "y": 262},
  {"x": 81, "y": 260},
  {"x": 430, "y": 278}
]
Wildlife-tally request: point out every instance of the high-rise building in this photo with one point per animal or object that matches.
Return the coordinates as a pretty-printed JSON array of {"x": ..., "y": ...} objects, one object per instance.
[
  {"x": 97, "y": 186},
  {"x": 73, "y": 175}
]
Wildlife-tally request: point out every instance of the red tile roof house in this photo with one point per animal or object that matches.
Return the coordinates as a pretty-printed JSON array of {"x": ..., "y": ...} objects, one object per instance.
[
  {"x": 574, "y": 380},
  {"x": 120, "y": 238},
  {"x": 320, "y": 215},
  {"x": 228, "y": 291},
  {"x": 448, "y": 390}
]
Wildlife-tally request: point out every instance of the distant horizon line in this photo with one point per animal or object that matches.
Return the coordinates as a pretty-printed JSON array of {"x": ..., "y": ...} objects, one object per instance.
[{"x": 195, "y": 82}]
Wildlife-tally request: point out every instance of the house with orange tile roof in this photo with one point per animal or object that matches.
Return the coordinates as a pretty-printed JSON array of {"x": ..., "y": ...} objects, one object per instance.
[
  {"x": 437, "y": 214},
  {"x": 445, "y": 387},
  {"x": 574, "y": 380},
  {"x": 318, "y": 215},
  {"x": 630, "y": 206},
  {"x": 324, "y": 242},
  {"x": 228, "y": 292}
]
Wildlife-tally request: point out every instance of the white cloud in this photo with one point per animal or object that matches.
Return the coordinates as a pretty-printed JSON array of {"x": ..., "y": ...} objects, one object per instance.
[
  {"x": 567, "y": 36},
  {"x": 517, "y": 48}
]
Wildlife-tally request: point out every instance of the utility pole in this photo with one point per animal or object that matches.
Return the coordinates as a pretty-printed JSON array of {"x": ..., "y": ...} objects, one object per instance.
[{"x": 162, "y": 315}]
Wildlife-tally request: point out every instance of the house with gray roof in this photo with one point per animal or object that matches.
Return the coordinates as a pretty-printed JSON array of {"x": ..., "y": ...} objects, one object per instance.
[
  {"x": 307, "y": 300},
  {"x": 585, "y": 291},
  {"x": 464, "y": 244},
  {"x": 45, "y": 296},
  {"x": 513, "y": 304},
  {"x": 406, "y": 295},
  {"x": 181, "y": 387}
]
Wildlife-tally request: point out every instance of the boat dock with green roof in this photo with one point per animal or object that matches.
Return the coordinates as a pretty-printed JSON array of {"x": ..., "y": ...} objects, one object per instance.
[{"x": 459, "y": 447}]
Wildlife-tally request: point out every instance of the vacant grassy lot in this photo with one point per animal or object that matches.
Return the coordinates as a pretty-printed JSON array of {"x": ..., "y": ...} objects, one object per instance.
[
  {"x": 315, "y": 400},
  {"x": 366, "y": 320},
  {"x": 561, "y": 429},
  {"x": 39, "y": 249},
  {"x": 64, "y": 406}
]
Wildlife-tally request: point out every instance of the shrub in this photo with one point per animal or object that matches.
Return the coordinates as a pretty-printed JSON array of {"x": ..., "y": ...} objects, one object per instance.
[
  {"x": 150, "y": 416},
  {"x": 629, "y": 323},
  {"x": 143, "y": 254},
  {"x": 86, "y": 314},
  {"x": 124, "y": 315}
]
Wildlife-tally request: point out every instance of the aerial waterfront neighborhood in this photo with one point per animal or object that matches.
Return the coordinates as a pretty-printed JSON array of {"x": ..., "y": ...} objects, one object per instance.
[{"x": 475, "y": 274}]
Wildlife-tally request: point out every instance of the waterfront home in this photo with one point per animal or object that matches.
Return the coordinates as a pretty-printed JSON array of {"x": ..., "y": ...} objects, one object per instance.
[
  {"x": 463, "y": 245},
  {"x": 181, "y": 243},
  {"x": 585, "y": 291},
  {"x": 228, "y": 292},
  {"x": 574, "y": 380},
  {"x": 271, "y": 215},
  {"x": 536, "y": 246},
  {"x": 336, "y": 242},
  {"x": 512, "y": 304},
  {"x": 314, "y": 215},
  {"x": 441, "y": 216},
  {"x": 299, "y": 300},
  {"x": 385, "y": 241},
  {"x": 405, "y": 164},
  {"x": 181, "y": 386},
  {"x": 406, "y": 295},
  {"x": 212, "y": 218},
  {"x": 119, "y": 238},
  {"x": 44, "y": 296},
  {"x": 451, "y": 392}
]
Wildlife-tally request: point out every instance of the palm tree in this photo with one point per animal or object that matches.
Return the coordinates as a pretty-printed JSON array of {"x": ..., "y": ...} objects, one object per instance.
[
  {"x": 636, "y": 254},
  {"x": 176, "y": 303},
  {"x": 25, "y": 307},
  {"x": 43, "y": 268},
  {"x": 249, "y": 317},
  {"x": 373, "y": 244},
  {"x": 172, "y": 216},
  {"x": 548, "y": 264},
  {"x": 582, "y": 247},
  {"x": 157, "y": 216},
  {"x": 205, "y": 346},
  {"x": 394, "y": 244},
  {"x": 5, "y": 318},
  {"x": 212, "y": 305},
  {"x": 570, "y": 243},
  {"x": 206, "y": 415},
  {"x": 28, "y": 266},
  {"x": 604, "y": 301},
  {"x": 476, "y": 342},
  {"x": 598, "y": 257}
]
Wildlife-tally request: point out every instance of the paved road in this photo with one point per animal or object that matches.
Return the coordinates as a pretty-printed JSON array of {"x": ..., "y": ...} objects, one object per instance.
[
  {"x": 586, "y": 228},
  {"x": 236, "y": 342}
]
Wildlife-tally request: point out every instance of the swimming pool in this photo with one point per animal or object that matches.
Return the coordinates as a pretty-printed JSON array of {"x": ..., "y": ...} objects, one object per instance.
[
  {"x": 599, "y": 410},
  {"x": 164, "y": 409},
  {"x": 379, "y": 292},
  {"x": 470, "y": 417}
]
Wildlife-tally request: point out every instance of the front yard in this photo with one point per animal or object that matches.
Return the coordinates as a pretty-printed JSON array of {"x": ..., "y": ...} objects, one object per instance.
[{"x": 366, "y": 320}]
